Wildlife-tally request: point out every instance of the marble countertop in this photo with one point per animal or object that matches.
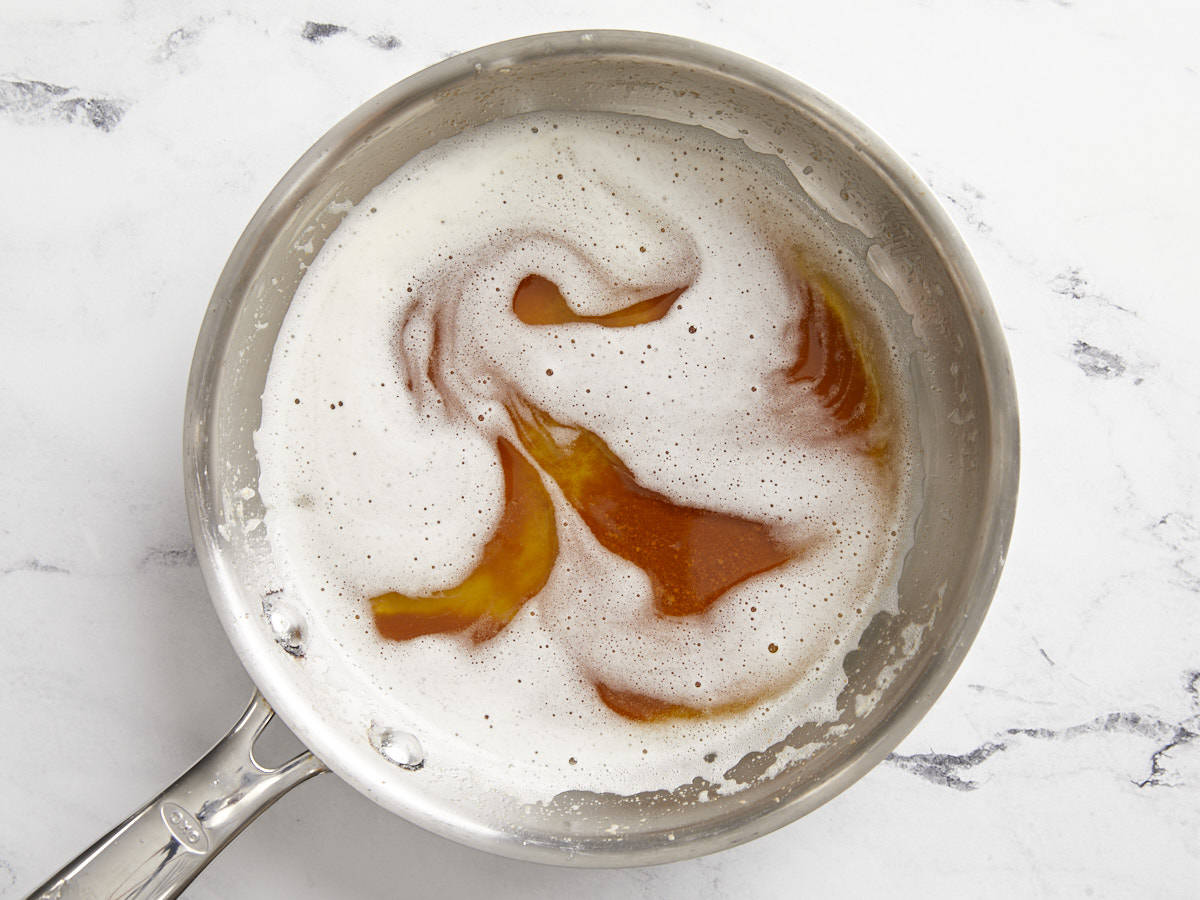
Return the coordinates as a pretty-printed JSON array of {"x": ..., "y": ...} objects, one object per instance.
[{"x": 1064, "y": 760}]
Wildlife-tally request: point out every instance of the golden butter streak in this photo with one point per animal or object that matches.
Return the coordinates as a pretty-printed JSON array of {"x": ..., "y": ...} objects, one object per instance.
[
  {"x": 693, "y": 556},
  {"x": 538, "y": 301},
  {"x": 830, "y": 355},
  {"x": 515, "y": 566}
]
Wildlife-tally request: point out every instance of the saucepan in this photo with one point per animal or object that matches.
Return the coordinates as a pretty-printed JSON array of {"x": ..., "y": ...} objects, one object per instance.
[{"x": 956, "y": 366}]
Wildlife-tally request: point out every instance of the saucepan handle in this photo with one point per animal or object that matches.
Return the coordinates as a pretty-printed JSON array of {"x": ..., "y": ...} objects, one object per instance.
[{"x": 157, "y": 851}]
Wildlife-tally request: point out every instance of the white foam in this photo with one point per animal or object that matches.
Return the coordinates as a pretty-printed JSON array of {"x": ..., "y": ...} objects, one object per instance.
[{"x": 371, "y": 486}]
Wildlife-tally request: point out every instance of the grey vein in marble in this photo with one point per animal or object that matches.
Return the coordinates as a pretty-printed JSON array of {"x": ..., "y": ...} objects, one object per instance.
[
  {"x": 384, "y": 41},
  {"x": 178, "y": 39},
  {"x": 1180, "y": 534},
  {"x": 30, "y": 100},
  {"x": 7, "y": 875},
  {"x": 968, "y": 203},
  {"x": 1157, "y": 769},
  {"x": 1071, "y": 284},
  {"x": 943, "y": 768},
  {"x": 315, "y": 32},
  {"x": 170, "y": 557},
  {"x": 1097, "y": 362},
  {"x": 35, "y": 565}
]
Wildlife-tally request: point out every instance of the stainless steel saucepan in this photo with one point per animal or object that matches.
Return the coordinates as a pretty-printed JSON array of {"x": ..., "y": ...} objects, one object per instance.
[{"x": 958, "y": 371}]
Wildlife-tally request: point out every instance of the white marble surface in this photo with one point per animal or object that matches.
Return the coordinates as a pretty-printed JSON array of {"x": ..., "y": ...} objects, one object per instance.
[{"x": 137, "y": 139}]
